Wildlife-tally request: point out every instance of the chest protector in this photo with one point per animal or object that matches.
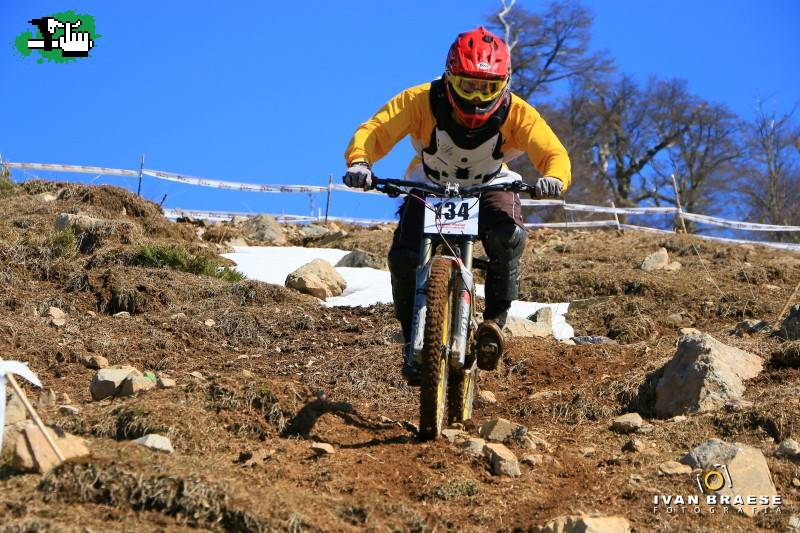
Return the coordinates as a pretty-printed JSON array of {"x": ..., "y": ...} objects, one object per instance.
[{"x": 457, "y": 154}]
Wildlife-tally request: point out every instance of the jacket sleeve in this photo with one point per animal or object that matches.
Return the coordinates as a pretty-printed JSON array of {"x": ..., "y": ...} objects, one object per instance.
[
  {"x": 528, "y": 131},
  {"x": 375, "y": 137}
]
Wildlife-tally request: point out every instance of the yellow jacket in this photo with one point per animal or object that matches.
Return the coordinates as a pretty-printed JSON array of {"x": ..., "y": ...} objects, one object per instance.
[{"x": 524, "y": 130}]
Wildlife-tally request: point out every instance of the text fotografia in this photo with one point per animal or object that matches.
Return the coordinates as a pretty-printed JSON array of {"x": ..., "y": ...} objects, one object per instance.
[{"x": 715, "y": 503}]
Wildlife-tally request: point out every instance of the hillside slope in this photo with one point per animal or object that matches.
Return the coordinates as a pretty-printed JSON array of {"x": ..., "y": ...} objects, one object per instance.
[{"x": 263, "y": 371}]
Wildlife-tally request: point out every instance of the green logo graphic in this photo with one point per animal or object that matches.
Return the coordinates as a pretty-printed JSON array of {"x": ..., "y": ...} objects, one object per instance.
[{"x": 60, "y": 37}]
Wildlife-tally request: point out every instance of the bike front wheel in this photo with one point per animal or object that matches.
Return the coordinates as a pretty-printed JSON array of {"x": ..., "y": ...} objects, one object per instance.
[{"x": 435, "y": 367}]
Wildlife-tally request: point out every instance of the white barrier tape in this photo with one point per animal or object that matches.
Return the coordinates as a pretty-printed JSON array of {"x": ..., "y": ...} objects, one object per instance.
[
  {"x": 645, "y": 228},
  {"x": 255, "y": 187},
  {"x": 542, "y": 203},
  {"x": 568, "y": 225},
  {"x": 74, "y": 168},
  {"x": 781, "y": 245},
  {"x": 621, "y": 210},
  {"x": 221, "y": 215},
  {"x": 232, "y": 185},
  {"x": 725, "y": 223}
]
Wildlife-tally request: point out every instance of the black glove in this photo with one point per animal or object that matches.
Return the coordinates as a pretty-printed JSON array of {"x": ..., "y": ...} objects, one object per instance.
[
  {"x": 548, "y": 187},
  {"x": 358, "y": 176}
]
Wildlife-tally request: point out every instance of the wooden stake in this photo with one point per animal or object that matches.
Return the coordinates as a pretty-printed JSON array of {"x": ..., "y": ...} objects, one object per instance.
[
  {"x": 788, "y": 303},
  {"x": 616, "y": 217},
  {"x": 34, "y": 415},
  {"x": 678, "y": 203}
]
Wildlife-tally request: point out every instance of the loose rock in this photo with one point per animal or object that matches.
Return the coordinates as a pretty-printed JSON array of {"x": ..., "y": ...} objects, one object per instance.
[
  {"x": 473, "y": 446},
  {"x": 789, "y": 448},
  {"x": 361, "y": 259},
  {"x": 165, "y": 382},
  {"x": 47, "y": 398},
  {"x": 264, "y": 228},
  {"x": 585, "y": 523},
  {"x": 56, "y": 316},
  {"x": 156, "y": 442},
  {"x": 751, "y": 327},
  {"x": 32, "y": 453},
  {"x": 107, "y": 381},
  {"x": 674, "y": 468},
  {"x": 522, "y": 327},
  {"x": 634, "y": 446},
  {"x": 122, "y": 314},
  {"x": 627, "y": 423},
  {"x": 322, "y": 448},
  {"x": 317, "y": 278},
  {"x": 68, "y": 410},
  {"x": 95, "y": 362},
  {"x": 656, "y": 261},
  {"x": 135, "y": 384},
  {"x": 502, "y": 460},
  {"x": 703, "y": 375},
  {"x": 15, "y": 410},
  {"x": 499, "y": 429},
  {"x": 790, "y": 328},
  {"x": 486, "y": 397}
]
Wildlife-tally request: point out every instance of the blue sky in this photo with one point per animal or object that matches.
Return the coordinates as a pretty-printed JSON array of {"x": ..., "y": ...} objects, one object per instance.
[{"x": 253, "y": 92}]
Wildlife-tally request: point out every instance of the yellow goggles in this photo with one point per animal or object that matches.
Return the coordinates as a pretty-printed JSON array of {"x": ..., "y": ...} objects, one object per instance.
[{"x": 482, "y": 89}]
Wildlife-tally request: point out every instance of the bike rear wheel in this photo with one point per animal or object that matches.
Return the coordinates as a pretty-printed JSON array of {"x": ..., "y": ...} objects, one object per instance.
[{"x": 435, "y": 367}]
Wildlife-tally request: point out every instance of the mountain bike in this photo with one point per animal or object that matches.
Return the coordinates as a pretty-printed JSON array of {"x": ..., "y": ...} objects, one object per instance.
[{"x": 444, "y": 321}]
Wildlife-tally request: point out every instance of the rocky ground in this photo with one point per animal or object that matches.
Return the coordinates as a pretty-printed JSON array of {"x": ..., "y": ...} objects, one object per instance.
[{"x": 280, "y": 414}]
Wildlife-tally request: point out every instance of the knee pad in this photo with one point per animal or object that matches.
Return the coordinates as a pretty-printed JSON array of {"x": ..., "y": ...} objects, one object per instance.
[{"x": 504, "y": 245}]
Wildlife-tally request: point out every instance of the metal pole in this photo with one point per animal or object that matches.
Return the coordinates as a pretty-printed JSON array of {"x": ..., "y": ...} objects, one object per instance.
[
  {"x": 328, "y": 199},
  {"x": 34, "y": 415},
  {"x": 141, "y": 168},
  {"x": 678, "y": 203}
]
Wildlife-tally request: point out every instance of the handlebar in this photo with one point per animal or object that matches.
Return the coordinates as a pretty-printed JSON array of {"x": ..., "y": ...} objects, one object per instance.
[{"x": 395, "y": 187}]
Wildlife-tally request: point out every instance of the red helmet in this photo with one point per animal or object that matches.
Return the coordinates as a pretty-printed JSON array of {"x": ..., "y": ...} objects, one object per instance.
[{"x": 477, "y": 73}]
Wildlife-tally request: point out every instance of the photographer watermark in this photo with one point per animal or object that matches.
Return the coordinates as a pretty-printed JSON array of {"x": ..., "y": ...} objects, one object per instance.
[
  {"x": 718, "y": 495},
  {"x": 61, "y": 37}
]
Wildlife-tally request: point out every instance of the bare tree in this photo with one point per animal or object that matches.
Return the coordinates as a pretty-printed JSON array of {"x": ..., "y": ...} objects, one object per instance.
[
  {"x": 770, "y": 178},
  {"x": 550, "y": 46},
  {"x": 704, "y": 156}
]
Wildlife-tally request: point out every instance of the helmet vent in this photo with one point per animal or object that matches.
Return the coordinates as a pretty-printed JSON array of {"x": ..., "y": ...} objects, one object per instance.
[
  {"x": 488, "y": 39},
  {"x": 471, "y": 44}
]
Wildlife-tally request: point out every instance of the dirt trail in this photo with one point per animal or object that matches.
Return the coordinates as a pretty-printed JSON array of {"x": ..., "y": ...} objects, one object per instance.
[{"x": 279, "y": 371}]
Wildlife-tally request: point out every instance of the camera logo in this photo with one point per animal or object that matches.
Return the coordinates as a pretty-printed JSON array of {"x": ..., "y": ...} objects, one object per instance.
[
  {"x": 61, "y": 37},
  {"x": 714, "y": 479}
]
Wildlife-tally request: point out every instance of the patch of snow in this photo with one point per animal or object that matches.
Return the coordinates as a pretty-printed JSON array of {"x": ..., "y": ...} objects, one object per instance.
[{"x": 365, "y": 286}]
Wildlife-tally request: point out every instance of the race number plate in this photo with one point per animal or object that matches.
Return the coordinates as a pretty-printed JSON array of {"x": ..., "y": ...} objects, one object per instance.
[{"x": 451, "y": 216}]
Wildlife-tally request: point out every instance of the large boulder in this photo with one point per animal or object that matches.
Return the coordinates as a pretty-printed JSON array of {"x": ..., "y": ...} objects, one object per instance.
[
  {"x": 317, "y": 278},
  {"x": 746, "y": 467},
  {"x": 703, "y": 375},
  {"x": 790, "y": 329},
  {"x": 362, "y": 259},
  {"x": 265, "y": 229},
  {"x": 585, "y": 523}
]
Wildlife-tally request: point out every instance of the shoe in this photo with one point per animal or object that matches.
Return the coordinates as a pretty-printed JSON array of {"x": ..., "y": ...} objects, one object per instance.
[
  {"x": 412, "y": 370},
  {"x": 412, "y": 373},
  {"x": 489, "y": 345}
]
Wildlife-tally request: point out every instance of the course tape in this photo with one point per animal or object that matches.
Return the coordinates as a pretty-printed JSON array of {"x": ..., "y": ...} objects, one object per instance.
[
  {"x": 256, "y": 187},
  {"x": 223, "y": 215},
  {"x": 568, "y": 225},
  {"x": 751, "y": 226},
  {"x": 74, "y": 168}
]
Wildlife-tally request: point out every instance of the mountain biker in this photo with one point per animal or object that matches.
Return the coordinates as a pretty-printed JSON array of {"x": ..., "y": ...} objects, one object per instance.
[{"x": 464, "y": 126}]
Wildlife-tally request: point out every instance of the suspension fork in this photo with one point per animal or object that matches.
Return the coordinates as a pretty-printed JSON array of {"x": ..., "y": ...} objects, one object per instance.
[
  {"x": 421, "y": 297},
  {"x": 463, "y": 306}
]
